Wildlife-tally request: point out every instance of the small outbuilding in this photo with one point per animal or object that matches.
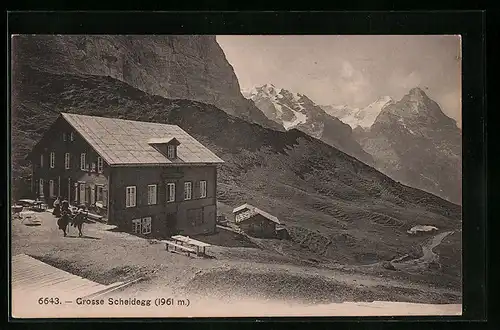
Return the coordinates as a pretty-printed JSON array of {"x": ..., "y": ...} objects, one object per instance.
[{"x": 255, "y": 221}]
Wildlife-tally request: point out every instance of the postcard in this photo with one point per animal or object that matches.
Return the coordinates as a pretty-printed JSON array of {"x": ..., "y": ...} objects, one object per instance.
[{"x": 236, "y": 175}]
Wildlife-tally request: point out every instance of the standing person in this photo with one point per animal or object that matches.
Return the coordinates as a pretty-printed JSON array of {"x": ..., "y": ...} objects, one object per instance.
[
  {"x": 57, "y": 207},
  {"x": 66, "y": 216}
]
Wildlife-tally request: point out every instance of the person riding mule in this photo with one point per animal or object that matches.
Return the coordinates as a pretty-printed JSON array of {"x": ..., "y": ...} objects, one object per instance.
[
  {"x": 78, "y": 220},
  {"x": 65, "y": 206},
  {"x": 64, "y": 220}
]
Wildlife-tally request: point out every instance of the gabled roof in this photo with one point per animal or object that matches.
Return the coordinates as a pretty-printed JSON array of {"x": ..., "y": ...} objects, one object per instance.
[
  {"x": 258, "y": 211},
  {"x": 126, "y": 142}
]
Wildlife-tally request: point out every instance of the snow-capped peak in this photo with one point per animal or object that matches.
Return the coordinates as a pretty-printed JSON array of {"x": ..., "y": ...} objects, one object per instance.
[
  {"x": 364, "y": 117},
  {"x": 280, "y": 104},
  {"x": 383, "y": 100},
  {"x": 267, "y": 90}
]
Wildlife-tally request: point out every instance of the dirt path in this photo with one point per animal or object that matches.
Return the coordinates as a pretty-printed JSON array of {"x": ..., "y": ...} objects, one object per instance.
[
  {"x": 428, "y": 258},
  {"x": 427, "y": 249}
]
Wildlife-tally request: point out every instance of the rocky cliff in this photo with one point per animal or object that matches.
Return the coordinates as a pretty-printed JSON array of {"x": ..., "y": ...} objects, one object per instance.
[{"x": 176, "y": 67}]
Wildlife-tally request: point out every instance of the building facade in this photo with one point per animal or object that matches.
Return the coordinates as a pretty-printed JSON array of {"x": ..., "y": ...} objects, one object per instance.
[{"x": 147, "y": 178}]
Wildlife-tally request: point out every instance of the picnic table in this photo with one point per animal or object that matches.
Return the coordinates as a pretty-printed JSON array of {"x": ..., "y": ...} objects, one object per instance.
[
  {"x": 26, "y": 202},
  {"x": 39, "y": 206},
  {"x": 176, "y": 246},
  {"x": 199, "y": 245}
]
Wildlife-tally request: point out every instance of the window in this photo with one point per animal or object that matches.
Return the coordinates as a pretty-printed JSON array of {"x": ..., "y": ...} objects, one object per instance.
[
  {"x": 82, "y": 162},
  {"x": 72, "y": 136},
  {"x": 41, "y": 160},
  {"x": 203, "y": 189},
  {"x": 171, "y": 151},
  {"x": 136, "y": 226},
  {"x": 66, "y": 161},
  {"x": 64, "y": 136},
  {"x": 52, "y": 159},
  {"x": 40, "y": 188},
  {"x": 51, "y": 188},
  {"x": 187, "y": 190},
  {"x": 141, "y": 226},
  {"x": 151, "y": 194},
  {"x": 99, "y": 164},
  {"x": 146, "y": 225},
  {"x": 130, "y": 197},
  {"x": 170, "y": 192}
]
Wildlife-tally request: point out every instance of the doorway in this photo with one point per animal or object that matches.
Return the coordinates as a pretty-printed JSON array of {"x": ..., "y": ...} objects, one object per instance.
[
  {"x": 81, "y": 199},
  {"x": 171, "y": 227},
  {"x": 92, "y": 194}
]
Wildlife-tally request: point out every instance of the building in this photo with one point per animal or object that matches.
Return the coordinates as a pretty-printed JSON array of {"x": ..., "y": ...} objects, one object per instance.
[
  {"x": 149, "y": 178},
  {"x": 256, "y": 222}
]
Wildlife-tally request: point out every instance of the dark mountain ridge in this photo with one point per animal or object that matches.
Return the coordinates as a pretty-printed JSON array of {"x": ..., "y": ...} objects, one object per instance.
[{"x": 190, "y": 67}]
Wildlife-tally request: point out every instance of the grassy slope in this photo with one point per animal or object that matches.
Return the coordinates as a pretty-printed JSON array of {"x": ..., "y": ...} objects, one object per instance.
[{"x": 336, "y": 206}]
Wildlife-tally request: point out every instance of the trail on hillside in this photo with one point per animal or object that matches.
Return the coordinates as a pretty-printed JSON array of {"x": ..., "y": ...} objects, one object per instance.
[
  {"x": 428, "y": 259},
  {"x": 427, "y": 249}
]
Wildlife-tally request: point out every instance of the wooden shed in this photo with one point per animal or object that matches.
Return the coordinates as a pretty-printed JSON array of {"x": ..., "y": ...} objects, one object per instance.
[{"x": 256, "y": 222}]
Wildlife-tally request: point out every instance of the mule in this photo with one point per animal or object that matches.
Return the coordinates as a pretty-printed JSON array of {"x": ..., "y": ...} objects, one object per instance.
[
  {"x": 63, "y": 221},
  {"x": 78, "y": 221}
]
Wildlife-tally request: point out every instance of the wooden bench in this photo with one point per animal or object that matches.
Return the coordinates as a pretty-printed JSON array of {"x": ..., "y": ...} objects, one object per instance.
[
  {"x": 178, "y": 246},
  {"x": 95, "y": 217}
]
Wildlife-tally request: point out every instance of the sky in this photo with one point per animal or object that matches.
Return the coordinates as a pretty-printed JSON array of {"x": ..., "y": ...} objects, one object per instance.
[{"x": 351, "y": 70}]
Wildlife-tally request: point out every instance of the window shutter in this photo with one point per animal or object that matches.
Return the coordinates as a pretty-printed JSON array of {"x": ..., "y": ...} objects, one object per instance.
[
  {"x": 105, "y": 196},
  {"x": 127, "y": 196}
]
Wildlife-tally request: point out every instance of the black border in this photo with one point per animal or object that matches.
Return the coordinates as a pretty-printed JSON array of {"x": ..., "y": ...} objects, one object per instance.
[{"x": 469, "y": 24}]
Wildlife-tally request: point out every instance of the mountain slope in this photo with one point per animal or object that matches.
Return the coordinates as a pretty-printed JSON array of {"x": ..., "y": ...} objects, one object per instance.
[
  {"x": 334, "y": 205},
  {"x": 177, "y": 67},
  {"x": 297, "y": 111},
  {"x": 364, "y": 117},
  {"x": 414, "y": 142}
]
